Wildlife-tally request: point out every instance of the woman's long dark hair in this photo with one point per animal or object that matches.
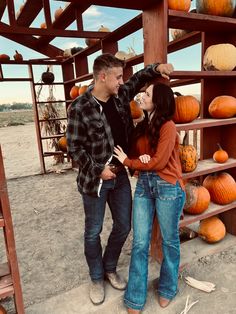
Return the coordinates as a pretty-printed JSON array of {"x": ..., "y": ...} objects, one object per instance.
[{"x": 164, "y": 109}]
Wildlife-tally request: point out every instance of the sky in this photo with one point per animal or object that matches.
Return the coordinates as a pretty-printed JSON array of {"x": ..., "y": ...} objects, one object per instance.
[{"x": 93, "y": 18}]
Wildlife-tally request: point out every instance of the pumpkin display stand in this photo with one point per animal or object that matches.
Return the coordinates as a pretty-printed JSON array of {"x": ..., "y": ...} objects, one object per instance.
[{"x": 9, "y": 273}]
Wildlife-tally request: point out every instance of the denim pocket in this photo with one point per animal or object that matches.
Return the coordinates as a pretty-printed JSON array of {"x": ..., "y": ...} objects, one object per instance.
[
  {"x": 167, "y": 191},
  {"x": 140, "y": 188}
]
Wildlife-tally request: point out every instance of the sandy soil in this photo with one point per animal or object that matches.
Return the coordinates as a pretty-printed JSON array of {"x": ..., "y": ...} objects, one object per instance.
[{"x": 48, "y": 223}]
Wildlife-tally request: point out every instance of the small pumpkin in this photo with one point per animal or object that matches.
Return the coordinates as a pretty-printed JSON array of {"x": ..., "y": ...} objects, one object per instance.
[
  {"x": 179, "y": 5},
  {"x": 197, "y": 198},
  {"x": 58, "y": 12},
  {"x": 188, "y": 156},
  {"x": 17, "y": 56},
  {"x": 122, "y": 55},
  {"x": 92, "y": 41},
  {"x": 4, "y": 57},
  {"x": 213, "y": 7},
  {"x": 62, "y": 144},
  {"x": 82, "y": 89},
  {"x": 186, "y": 108},
  {"x": 2, "y": 310},
  {"x": 74, "y": 92},
  {"x": 212, "y": 229},
  {"x": 47, "y": 77},
  {"x": 136, "y": 111},
  {"x": 222, "y": 107},
  {"x": 43, "y": 25},
  {"x": 177, "y": 33},
  {"x": 220, "y": 57},
  {"x": 221, "y": 186},
  {"x": 220, "y": 155}
]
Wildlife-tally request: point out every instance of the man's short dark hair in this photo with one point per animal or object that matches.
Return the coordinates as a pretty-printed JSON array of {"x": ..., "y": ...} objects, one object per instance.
[{"x": 106, "y": 61}]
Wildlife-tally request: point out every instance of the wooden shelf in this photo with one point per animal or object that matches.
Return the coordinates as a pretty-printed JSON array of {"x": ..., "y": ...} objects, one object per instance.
[
  {"x": 52, "y": 136},
  {"x": 52, "y": 119},
  {"x": 213, "y": 209},
  {"x": 202, "y": 74},
  {"x": 204, "y": 123},
  {"x": 208, "y": 166}
]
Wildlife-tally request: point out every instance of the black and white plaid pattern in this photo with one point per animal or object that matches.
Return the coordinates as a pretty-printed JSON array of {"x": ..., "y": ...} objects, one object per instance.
[{"x": 89, "y": 137}]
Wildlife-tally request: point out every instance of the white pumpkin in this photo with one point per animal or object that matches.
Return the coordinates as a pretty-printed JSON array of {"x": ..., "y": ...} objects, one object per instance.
[
  {"x": 122, "y": 55},
  {"x": 221, "y": 57}
]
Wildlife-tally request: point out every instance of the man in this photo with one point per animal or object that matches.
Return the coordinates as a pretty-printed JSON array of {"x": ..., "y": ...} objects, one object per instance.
[{"x": 97, "y": 121}]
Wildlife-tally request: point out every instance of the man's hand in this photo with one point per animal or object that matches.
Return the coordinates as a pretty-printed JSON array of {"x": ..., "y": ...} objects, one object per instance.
[
  {"x": 107, "y": 174},
  {"x": 165, "y": 69}
]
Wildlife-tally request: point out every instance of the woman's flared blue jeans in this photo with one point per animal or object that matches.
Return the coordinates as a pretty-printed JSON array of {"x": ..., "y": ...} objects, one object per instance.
[{"x": 154, "y": 194}]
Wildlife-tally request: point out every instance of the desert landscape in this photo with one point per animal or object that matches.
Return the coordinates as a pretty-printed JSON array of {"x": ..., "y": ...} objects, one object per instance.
[{"x": 48, "y": 225}]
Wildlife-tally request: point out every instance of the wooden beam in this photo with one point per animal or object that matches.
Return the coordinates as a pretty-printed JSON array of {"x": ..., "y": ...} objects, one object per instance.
[
  {"x": 29, "y": 12},
  {"x": 3, "y": 4},
  {"x": 11, "y": 12},
  {"x": 47, "y": 13}
]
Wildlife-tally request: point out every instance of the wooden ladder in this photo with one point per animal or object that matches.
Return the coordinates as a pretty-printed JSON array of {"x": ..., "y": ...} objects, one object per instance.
[{"x": 9, "y": 272}]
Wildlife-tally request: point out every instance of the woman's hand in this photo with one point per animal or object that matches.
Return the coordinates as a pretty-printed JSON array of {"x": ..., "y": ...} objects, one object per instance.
[
  {"x": 119, "y": 154},
  {"x": 144, "y": 158}
]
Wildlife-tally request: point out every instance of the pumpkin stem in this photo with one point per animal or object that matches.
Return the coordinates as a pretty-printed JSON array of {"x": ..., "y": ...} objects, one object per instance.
[
  {"x": 177, "y": 94},
  {"x": 185, "y": 139},
  {"x": 219, "y": 146}
]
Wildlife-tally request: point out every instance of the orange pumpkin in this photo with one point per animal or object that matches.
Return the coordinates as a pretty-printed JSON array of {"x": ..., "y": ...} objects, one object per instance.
[
  {"x": 222, "y": 187},
  {"x": 4, "y": 57},
  {"x": 17, "y": 56},
  {"x": 214, "y": 7},
  {"x": 136, "y": 111},
  {"x": 62, "y": 144},
  {"x": 2, "y": 310},
  {"x": 186, "y": 108},
  {"x": 83, "y": 89},
  {"x": 188, "y": 156},
  {"x": 220, "y": 155},
  {"x": 58, "y": 12},
  {"x": 43, "y": 25},
  {"x": 74, "y": 92},
  {"x": 197, "y": 198},
  {"x": 92, "y": 41},
  {"x": 179, "y": 5},
  {"x": 222, "y": 107},
  {"x": 212, "y": 229}
]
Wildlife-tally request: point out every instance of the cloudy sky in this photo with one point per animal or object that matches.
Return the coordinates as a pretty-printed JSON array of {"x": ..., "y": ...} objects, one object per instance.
[{"x": 93, "y": 18}]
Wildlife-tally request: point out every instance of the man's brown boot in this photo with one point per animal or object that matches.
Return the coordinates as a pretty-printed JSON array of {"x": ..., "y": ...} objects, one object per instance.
[{"x": 97, "y": 292}]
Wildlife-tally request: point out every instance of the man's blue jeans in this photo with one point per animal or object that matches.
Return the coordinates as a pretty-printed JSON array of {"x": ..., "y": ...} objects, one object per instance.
[
  {"x": 154, "y": 194},
  {"x": 117, "y": 193}
]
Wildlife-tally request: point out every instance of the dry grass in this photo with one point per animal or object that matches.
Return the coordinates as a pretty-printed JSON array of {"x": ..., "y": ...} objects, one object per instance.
[{"x": 20, "y": 117}]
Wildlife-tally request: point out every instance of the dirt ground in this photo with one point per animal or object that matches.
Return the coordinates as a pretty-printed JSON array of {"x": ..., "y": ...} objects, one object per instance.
[{"x": 48, "y": 225}]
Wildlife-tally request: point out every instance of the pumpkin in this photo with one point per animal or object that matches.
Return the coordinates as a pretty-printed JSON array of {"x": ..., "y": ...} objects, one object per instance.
[
  {"x": 186, "y": 108},
  {"x": 179, "y": 5},
  {"x": 221, "y": 186},
  {"x": 83, "y": 89},
  {"x": 17, "y": 56},
  {"x": 214, "y": 7},
  {"x": 197, "y": 198},
  {"x": 92, "y": 41},
  {"x": 4, "y": 57},
  {"x": 43, "y": 25},
  {"x": 211, "y": 229},
  {"x": 188, "y": 156},
  {"x": 177, "y": 33},
  {"x": 2, "y": 310},
  {"x": 220, "y": 57},
  {"x": 74, "y": 92},
  {"x": 222, "y": 107},
  {"x": 62, "y": 144},
  {"x": 122, "y": 55},
  {"x": 47, "y": 77},
  {"x": 136, "y": 111},
  {"x": 220, "y": 155},
  {"x": 58, "y": 12}
]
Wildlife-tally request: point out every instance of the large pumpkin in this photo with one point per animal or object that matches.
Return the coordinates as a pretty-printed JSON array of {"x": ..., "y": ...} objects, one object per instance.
[
  {"x": 91, "y": 41},
  {"x": 212, "y": 229},
  {"x": 179, "y": 5},
  {"x": 197, "y": 198},
  {"x": 220, "y": 57},
  {"x": 216, "y": 7},
  {"x": 188, "y": 156},
  {"x": 222, "y": 107},
  {"x": 186, "y": 108},
  {"x": 222, "y": 187}
]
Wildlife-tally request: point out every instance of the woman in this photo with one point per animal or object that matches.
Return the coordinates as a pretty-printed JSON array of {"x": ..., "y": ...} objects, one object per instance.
[{"x": 159, "y": 189}]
